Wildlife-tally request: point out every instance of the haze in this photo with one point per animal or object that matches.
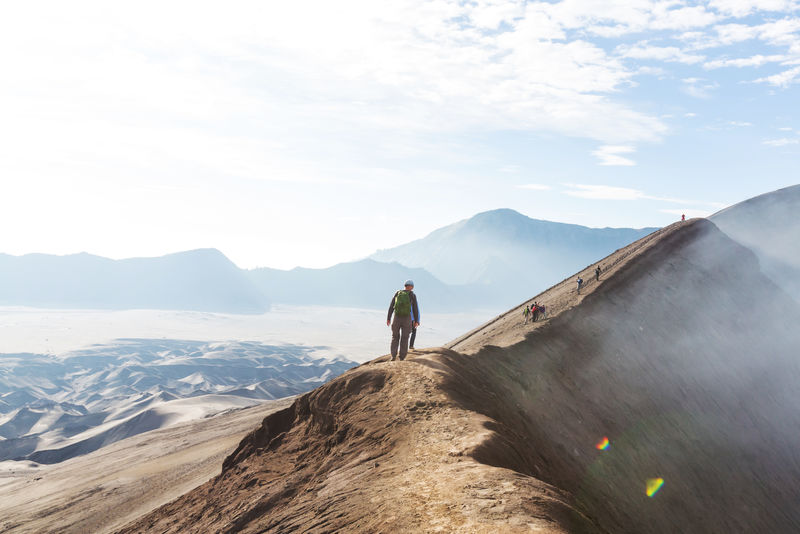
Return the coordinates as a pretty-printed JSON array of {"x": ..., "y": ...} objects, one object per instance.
[{"x": 314, "y": 133}]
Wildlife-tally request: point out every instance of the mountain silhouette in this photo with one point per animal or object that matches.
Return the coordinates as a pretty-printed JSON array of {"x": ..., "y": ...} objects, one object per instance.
[
  {"x": 198, "y": 280},
  {"x": 363, "y": 284},
  {"x": 508, "y": 253}
]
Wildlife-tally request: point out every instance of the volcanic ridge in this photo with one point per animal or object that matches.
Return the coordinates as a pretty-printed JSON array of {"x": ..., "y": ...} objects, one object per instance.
[{"x": 662, "y": 398}]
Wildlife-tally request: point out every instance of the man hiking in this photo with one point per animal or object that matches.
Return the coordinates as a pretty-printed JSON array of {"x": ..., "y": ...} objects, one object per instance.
[
  {"x": 580, "y": 283},
  {"x": 526, "y": 313},
  {"x": 406, "y": 317},
  {"x": 597, "y": 272}
]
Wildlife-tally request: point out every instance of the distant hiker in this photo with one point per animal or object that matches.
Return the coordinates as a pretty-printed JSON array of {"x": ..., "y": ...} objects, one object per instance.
[
  {"x": 526, "y": 313},
  {"x": 597, "y": 273},
  {"x": 580, "y": 284},
  {"x": 535, "y": 311},
  {"x": 683, "y": 217},
  {"x": 406, "y": 317}
]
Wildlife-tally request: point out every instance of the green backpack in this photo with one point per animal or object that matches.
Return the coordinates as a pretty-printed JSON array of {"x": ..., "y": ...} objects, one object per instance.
[{"x": 402, "y": 303}]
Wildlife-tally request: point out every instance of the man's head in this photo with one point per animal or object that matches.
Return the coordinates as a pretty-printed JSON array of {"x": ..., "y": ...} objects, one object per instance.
[{"x": 409, "y": 284}]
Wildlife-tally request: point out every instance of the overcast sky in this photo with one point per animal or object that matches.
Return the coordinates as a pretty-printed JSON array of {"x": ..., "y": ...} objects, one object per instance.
[{"x": 310, "y": 133}]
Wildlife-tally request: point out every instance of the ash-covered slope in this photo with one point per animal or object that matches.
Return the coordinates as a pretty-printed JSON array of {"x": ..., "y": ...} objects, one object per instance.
[{"x": 685, "y": 359}]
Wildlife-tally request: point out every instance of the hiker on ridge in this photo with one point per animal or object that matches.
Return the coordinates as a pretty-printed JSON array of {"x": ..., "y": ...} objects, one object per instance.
[
  {"x": 580, "y": 283},
  {"x": 526, "y": 312},
  {"x": 406, "y": 316},
  {"x": 597, "y": 273}
]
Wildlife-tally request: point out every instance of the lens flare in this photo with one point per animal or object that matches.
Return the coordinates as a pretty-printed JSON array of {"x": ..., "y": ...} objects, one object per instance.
[
  {"x": 653, "y": 485},
  {"x": 603, "y": 444}
]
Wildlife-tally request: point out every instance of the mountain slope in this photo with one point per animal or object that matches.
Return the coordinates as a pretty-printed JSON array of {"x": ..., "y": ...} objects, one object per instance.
[
  {"x": 767, "y": 225},
  {"x": 508, "y": 252},
  {"x": 659, "y": 356},
  {"x": 199, "y": 280},
  {"x": 105, "y": 489}
]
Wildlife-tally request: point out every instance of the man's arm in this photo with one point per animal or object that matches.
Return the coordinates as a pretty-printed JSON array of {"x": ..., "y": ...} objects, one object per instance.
[{"x": 391, "y": 309}]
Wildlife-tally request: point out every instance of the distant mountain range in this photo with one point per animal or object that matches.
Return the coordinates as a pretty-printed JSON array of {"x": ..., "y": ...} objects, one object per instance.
[
  {"x": 495, "y": 259},
  {"x": 200, "y": 280},
  {"x": 361, "y": 284},
  {"x": 56, "y": 407}
]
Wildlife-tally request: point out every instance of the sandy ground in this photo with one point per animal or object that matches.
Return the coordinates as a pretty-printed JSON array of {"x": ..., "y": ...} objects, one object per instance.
[
  {"x": 381, "y": 450},
  {"x": 100, "y": 491}
]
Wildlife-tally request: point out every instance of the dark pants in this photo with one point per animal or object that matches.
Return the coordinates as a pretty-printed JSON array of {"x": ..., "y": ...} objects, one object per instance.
[
  {"x": 413, "y": 337},
  {"x": 401, "y": 329}
]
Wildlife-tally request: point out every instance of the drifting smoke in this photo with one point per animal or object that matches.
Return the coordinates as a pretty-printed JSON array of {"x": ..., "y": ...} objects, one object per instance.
[{"x": 767, "y": 225}]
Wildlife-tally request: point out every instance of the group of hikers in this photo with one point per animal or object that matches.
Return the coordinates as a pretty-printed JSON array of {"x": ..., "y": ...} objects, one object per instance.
[
  {"x": 533, "y": 311},
  {"x": 597, "y": 272}
]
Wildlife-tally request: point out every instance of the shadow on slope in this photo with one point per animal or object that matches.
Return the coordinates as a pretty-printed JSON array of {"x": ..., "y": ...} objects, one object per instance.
[{"x": 686, "y": 361}]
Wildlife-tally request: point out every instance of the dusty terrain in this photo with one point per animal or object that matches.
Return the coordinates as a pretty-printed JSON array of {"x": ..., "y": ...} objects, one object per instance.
[
  {"x": 682, "y": 356},
  {"x": 502, "y": 437},
  {"x": 100, "y": 491}
]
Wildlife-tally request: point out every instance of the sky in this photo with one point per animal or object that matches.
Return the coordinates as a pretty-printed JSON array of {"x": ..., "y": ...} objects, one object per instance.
[{"x": 311, "y": 133}]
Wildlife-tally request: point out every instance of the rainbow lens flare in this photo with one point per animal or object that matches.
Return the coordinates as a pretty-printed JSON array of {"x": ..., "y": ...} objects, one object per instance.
[
  {"x": 603, "y": 444},
  {"x": 653, "y": 485}
]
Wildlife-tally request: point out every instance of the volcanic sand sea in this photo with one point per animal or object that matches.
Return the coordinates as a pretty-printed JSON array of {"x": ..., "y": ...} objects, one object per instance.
[
  {"x": 105, "y": 489},
  {"x": 357, "y": 334},
  {"x": 502, "y": 436}
]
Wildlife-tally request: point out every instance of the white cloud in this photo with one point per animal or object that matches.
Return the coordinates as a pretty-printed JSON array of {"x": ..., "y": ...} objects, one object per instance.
[
  {"x": 610, "y": 155},
  {"x": 752, "y": 61},
  {"x": 660, "y": 53},
  {"x": 535, "y": 187},
  {"x": 782, "y": 79},
  {"x": 603, "y": 192},
  {"x": 740, "y": 124},
  {"x": 698, "y": 87},
  {"x": 784, "y": 141},
  {"x": 742, "y": 8},
  {"x": 607, "y": 192}
]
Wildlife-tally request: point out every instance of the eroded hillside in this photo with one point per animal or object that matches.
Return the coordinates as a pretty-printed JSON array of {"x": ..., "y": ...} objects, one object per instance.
[{"x": 682, "y": 356}]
